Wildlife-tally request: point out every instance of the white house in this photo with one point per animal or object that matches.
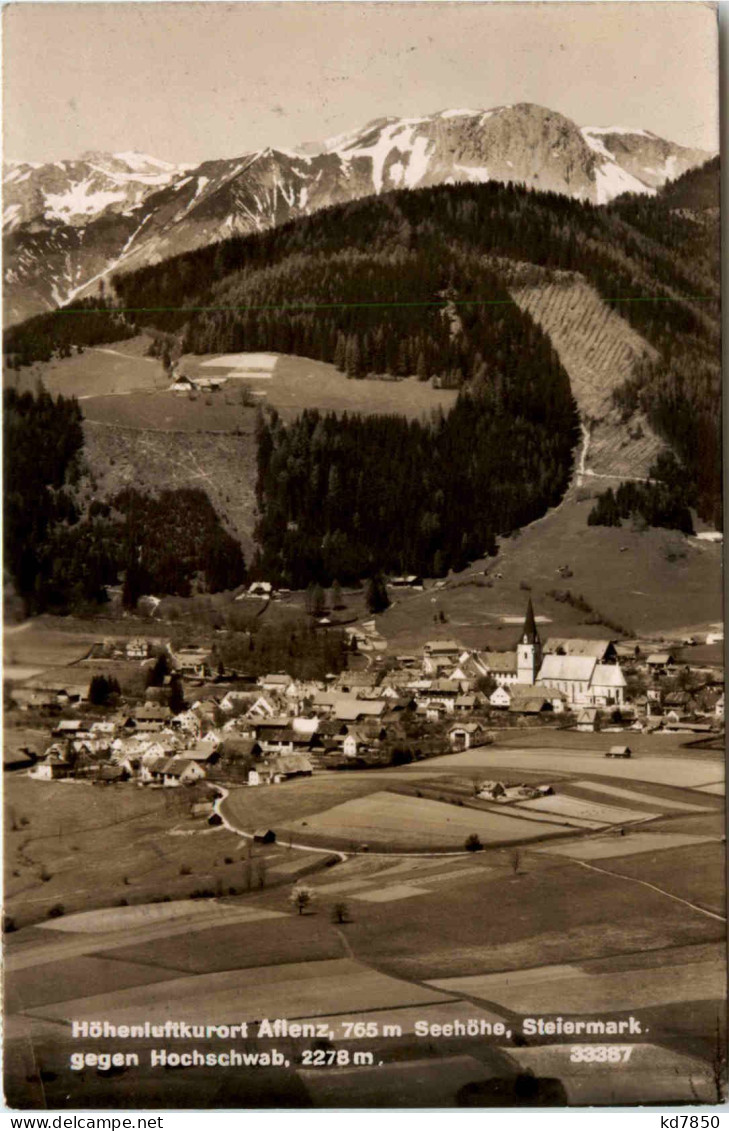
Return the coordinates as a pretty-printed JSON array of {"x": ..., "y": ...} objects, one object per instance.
[
  {"x": 263, "y": 708},
  {"x": 355, "y": 743},
  {"x": 500, "y": 697},
  {"x": 181, "y": 771},
  {"x": 192, "y": 662},
  {"x": 445, "y": 649},
  {"x": 51, "y": 768},
  {"x": 586, "y": 719},
  {"x": 260, "y": 589},
  {"x": 440, "y": 693},
  {"x": 187, "y": 721}
]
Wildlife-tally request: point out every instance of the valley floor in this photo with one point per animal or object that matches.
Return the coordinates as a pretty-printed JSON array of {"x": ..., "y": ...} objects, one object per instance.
[{"x": 611, "y": 923}]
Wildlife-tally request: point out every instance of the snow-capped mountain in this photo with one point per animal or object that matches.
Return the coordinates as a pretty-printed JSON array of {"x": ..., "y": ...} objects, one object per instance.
[
  {"x": 75, "y": 192},
  {"x": 69, "y": 224}
]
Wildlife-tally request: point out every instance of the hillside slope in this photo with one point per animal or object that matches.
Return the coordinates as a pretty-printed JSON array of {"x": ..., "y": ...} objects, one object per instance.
[
  {"x": 650, "y": 582},
  {"x": 519, "y": 300},
  {"x": 601, "y": 352},
  {"x": 222, "y": 464}
]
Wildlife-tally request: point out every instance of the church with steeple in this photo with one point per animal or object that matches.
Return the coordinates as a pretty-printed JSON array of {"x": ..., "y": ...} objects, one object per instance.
[
  {"x": 528, "y": 650},
  {"x": 568, "y": 671}
]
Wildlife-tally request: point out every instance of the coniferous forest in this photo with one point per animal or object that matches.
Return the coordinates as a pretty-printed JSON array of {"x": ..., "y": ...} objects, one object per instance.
[
  {"x": 664, "y": 502},
  {"x": 344, "y": 497}
]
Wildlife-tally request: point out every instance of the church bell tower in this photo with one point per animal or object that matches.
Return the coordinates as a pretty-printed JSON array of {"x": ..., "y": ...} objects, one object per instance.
[{"x": 529, "y": 649}]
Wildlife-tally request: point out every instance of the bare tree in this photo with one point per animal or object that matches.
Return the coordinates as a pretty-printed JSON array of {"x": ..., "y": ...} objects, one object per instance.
[{"x": 301, "y": 897}]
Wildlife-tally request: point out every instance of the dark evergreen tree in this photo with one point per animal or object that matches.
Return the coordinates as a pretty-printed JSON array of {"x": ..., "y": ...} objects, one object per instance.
[
  {"x": 376, "y": 594},
  {"x": 177, "y": 697}
]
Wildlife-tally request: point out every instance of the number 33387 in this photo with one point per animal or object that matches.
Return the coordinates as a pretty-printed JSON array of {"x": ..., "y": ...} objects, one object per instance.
[{"x": 601, "y": 1054}]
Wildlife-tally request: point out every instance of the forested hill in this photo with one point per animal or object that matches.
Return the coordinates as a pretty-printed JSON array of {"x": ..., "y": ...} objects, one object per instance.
[
  {"x": 63, "y": 546},
  {"x": 409, "y": 282}
]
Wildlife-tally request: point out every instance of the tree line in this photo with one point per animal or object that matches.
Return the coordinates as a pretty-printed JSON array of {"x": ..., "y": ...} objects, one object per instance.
[{"x": 664, "y": 502}]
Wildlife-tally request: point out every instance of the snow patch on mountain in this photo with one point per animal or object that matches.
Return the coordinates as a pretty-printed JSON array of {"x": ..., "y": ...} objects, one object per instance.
[
  {"x": 596, "y": 145},
  {"x": 140, "y": 161},
  {"x": 418, "y": 163},
  {"x": 625, "y": 130},
  {"x": 459, "y": 113},
  {"x": 611, "y": 181},
  {"x": 475, "y": 173},
  {"x": 79, "y": 200}
]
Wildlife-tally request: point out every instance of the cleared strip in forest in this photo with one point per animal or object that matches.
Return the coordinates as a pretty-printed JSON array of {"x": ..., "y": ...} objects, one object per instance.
[{"x": 597, "y": 347}]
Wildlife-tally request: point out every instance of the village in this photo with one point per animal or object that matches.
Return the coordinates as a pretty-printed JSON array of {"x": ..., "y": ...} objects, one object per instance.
[{"x": 195, "y": 722}]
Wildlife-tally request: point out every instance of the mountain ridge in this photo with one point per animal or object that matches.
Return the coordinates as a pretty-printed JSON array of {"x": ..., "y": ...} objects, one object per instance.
[{"x": 70, "y": 224}]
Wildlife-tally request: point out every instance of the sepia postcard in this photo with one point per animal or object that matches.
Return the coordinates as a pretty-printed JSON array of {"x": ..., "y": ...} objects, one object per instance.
[{"x": 363, "y": 626}]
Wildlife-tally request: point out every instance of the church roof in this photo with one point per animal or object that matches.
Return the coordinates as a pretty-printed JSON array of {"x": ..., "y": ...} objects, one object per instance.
[
  {"x": 578, "y": 668},
  {"x": 572, "y": 646}
]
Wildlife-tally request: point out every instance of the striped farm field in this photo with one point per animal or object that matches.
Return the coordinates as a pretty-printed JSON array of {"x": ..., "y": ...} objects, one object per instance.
[
  {"x": 661, "y": 803},
  {"x": 397, "y": 821},
  {"x": 633, "y": 843},
  {"x": 580, "y": 990},
  {"x": 568, "y": 807},
  {"x": 297, "y": 989},
  {"x": 690, "y": 773}
]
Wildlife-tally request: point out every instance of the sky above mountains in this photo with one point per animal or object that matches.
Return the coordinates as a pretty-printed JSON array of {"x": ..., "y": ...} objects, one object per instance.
[{"x": 187, "y": 82}]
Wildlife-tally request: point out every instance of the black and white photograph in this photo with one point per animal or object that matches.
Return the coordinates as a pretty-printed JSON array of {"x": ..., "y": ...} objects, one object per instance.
[{"x": 363, "y": 647}]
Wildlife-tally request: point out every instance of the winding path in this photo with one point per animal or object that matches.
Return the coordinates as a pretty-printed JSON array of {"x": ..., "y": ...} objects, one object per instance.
[{"x": 661, "y": 891}]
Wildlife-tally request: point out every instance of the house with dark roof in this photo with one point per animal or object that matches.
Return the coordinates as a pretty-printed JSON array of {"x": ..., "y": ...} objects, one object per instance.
[
  {"x": 181, "y": 771},
  {"x": 280, "y": 769},
  {"x": 534, "y": 702},
  {"x": 356, "y": 710},
  {"x": 152, "y": 713},
  {"x": 50, "y": 768},
  {"x": 501, "y": 666},
  {"x": 464, "y": 735}
]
